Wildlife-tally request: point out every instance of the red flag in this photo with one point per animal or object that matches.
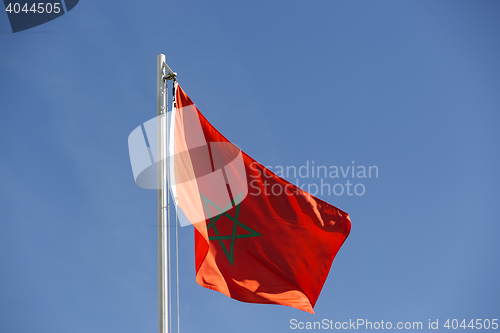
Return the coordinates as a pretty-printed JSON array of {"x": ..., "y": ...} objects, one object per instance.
[{"x": 258, "y": 238}]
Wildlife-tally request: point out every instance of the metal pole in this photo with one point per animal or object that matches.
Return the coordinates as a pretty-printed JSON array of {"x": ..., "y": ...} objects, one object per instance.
[{"x": 163, "y": 202}]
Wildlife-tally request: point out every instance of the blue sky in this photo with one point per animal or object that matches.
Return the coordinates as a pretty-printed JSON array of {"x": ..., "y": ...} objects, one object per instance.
[{"x": 412, "y": 87}]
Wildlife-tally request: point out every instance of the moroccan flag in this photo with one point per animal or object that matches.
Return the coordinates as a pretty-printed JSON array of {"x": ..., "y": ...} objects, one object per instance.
[{"x": 258, "y": 238}]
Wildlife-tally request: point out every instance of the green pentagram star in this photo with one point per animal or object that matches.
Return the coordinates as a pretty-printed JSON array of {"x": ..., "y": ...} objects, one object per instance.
[{"x": 220, "y": 238}]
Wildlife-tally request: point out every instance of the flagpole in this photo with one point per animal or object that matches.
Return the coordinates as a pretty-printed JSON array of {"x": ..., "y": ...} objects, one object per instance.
[
  {"x": 163, "y": 205},
  {"x": 164, "y": 73}
]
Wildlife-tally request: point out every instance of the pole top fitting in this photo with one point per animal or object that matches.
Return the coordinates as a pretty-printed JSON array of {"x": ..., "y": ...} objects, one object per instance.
[{"x": 168, "y": 74}]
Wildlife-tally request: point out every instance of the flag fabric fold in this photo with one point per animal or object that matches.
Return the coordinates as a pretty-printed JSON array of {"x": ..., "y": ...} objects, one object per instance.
[{"x": 258, "y": 237}]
